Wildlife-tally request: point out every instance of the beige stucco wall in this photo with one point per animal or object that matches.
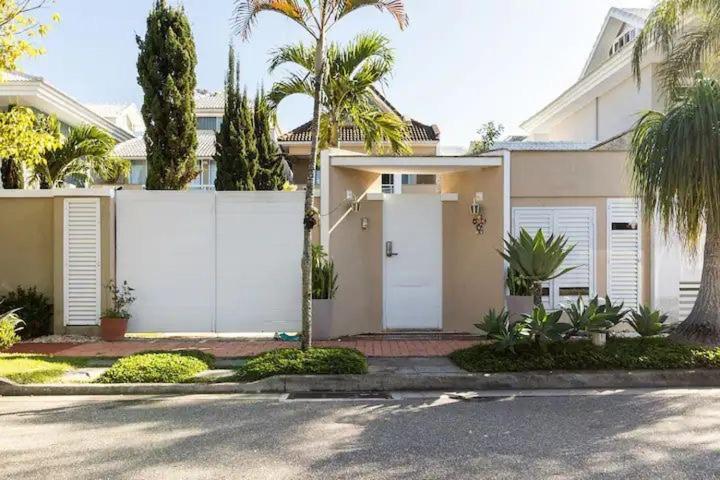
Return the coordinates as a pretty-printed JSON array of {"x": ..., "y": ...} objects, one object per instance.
[
  {"x": 357, "y": 254},
  {"x": 26, "y": 244},
  {"x": 31, "y": 249},
  {"x": 578, "y": 179},
  {"x": 473, "y": 272}
]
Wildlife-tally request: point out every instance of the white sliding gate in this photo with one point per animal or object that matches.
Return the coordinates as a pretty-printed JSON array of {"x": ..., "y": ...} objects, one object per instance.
[{"x": 226, "y": 262}]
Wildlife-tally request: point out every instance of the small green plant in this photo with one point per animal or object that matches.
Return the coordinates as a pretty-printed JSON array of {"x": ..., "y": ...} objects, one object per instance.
[
  {"x": 517, "y": 284},
  {"x": 324, "y": 276},
  {"x": 10, "y": 325},
  {"x": 543, "y": 327},
  {"x": 35, "y": 309},
  {"x": 647, "y": 322},
  {"x": 493, "y": 322},
  {"x": 593, "y": 316},
  {"x": 154, "y": 368},
  {"x": 537, "y": 259},
  {"x": 121, "y": 297},
  {"x": 315, "y": 361},
  {"x": 510, "y": 336}
]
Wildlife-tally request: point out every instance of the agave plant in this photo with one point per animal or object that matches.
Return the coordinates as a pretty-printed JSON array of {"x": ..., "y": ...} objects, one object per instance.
[
  {"x": 647, "y": 322},
  {"x": 593, "y": 317},
  {"x": 537, "y": 259},
  {"x": 510, "y": 336},
  {"x": 324, "y": 276},
  {"x": 494, "y": 323},
  {"x": 543, "y": 327},
  {"x": 579, "y": 315}
]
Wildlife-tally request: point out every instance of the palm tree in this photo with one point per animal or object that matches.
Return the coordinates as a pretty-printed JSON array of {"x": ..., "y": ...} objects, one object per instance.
[
  {"x": 86, "y": 149},
  {"x": 688, "y": 34},
  {"x": 348, "y": 93},
  {"x": 675, "y": 159},
  {"x": 316, "y": 18}
]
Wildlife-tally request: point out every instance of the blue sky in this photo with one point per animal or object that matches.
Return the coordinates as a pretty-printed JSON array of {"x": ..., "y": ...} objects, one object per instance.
[{"x": 459, "y": 64}]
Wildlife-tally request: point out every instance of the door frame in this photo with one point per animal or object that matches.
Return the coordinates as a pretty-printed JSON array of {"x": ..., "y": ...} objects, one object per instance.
[{"x": 383, "y": 259}]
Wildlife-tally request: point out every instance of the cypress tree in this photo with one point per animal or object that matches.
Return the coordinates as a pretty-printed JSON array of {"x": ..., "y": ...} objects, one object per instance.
[
  {"x": 235, "y": 151},
  {"x": 166, "y": 73},
  {"x": 270, "y": 174}
]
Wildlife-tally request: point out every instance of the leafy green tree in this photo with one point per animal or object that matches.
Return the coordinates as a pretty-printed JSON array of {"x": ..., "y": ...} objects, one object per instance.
[
  {"x": 270, "y": 174},
  {"x": 348, "y": 94},
  {"x": 248, "y": 125},
  {"x": 19, "y": 30},
  {"x": 675, "y": 161},
  {"x": 166, "y": 73},
  {"x": 316, "y": 18},
  {"x": 688, "y": 34},
  {"x": 234, "y": 171},
  {"x": 86, "y": 149},
  {"x": 24, "y": 138},
  {"x": 489, "y": 133}
]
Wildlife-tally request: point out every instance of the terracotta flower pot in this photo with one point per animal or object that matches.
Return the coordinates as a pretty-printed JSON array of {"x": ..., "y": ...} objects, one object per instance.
[{"x": 113, "y": 329}]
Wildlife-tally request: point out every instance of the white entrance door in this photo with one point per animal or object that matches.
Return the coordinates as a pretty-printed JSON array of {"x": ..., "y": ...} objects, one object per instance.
[{"x": 412, "y": 256}]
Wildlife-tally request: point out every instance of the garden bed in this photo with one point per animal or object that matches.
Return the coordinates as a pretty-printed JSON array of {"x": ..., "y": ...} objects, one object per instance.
[
  {"x": 619, "y": 353},
  {"x": 27, "y": 369},
  {"x": 315, "y": 361},
  {"x": 159, "y": 367}
]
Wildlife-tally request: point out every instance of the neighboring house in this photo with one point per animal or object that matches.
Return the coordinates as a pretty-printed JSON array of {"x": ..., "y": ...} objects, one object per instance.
[
  {"x": 422, "y": 139},
  {"x": 124, "y": 115},
  {"x": 35, "y": 92}
]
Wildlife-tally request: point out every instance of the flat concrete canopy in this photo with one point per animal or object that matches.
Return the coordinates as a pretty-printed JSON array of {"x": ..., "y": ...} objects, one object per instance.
[{"x": 417, "y": 165}]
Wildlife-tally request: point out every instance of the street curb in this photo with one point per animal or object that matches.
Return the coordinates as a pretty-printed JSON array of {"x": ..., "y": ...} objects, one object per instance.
[{"x": 392, "y": 382}]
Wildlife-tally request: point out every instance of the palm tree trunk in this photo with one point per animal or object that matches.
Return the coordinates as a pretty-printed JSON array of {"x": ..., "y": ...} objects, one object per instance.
[
  {"x": 702, "y": 326},
  {"x": 310, "y": 218}
]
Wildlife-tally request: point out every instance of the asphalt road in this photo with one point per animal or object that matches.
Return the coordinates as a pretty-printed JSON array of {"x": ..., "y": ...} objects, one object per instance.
[{"x": 637, "y": 435}]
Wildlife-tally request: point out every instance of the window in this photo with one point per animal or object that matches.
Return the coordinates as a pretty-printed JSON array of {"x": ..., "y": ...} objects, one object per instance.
[
  {"x": 209, "y": 123},
  {"x": 578, "y": 225},
  {"x": 388, "y": 183},
  {"x": 622, "y": 40},
  {"x": 206, "y": 178},
  {"x": 138, "y": 173}
]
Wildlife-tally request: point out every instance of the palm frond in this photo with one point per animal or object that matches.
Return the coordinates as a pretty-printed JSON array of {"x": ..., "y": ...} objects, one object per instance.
[
  {"x": 356, "y": 53},
  {"x": 247, "y": 11},
  {"x": 293, "y": 85},
  {"x": 396, "y": 8},
  {"x": 380, "y": 128},
  {"x": 297, "y": 54},
  {"x": 675, "y": 161}
]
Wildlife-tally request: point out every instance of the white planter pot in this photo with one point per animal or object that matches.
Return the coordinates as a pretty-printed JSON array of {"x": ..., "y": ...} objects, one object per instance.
[
  {"x": 599, "y": 339},
  {"x": 322, "y": 316},
  {"x": 517, "y": 305}
]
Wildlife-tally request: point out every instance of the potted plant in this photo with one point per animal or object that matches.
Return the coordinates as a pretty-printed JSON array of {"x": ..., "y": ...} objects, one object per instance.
[
  {"x": 324, "y": 288},
  {"x": 519, "y": 299},
  {"x": 114, "y": 321}
]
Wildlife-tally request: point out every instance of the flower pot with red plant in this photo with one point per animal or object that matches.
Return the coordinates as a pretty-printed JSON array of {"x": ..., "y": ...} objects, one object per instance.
[{"x": 114, "y": 321}]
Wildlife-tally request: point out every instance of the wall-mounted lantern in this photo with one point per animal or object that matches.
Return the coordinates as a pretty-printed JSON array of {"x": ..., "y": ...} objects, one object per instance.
[
  {"x": 352, "y": 201},
  {"x": 478, "y": 213}
]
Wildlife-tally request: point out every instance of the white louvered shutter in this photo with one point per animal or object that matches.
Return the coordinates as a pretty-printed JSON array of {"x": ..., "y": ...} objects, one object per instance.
[
  {"x": 534, "y": 219},
  {"x": 623, "y": 220},
  {"x": 578, "y": 226},
  {"x": 81, "y": 261}
]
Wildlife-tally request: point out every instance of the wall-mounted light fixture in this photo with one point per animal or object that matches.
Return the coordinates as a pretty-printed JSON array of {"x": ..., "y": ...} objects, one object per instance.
[
  {"x": 364, "y": 223},
  {"x": 352, "y": 201},
  {"x": 478, "y": 213}
]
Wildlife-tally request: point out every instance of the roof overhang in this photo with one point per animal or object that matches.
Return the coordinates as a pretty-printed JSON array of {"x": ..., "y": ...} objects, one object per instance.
[
  {"x": 45, "y": 97},
  {"x": 415, "y": 165}
]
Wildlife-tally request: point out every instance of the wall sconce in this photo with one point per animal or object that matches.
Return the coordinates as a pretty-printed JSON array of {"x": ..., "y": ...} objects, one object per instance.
[
  {"x": 478, "y": 213},
  {"x": 364, "y": 223},
  {"x": 352, "y": 201}
]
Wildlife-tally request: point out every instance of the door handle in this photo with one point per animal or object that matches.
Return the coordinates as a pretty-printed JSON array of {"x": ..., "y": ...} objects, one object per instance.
[{"x": 389, "y": 250}]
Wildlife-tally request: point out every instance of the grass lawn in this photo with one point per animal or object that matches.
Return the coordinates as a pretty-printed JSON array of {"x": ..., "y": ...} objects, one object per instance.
[
  {"x": 36, "y": 368},
  {"x": 620, "y": 353}
]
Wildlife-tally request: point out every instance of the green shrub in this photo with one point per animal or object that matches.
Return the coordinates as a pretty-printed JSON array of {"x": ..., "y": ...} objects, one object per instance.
[
  {"x": 315, "y": 361},
  {"x": 324, "y": 276},
  {"x": 10, "y": 324},
  {"x": 647, "y": 323},
  {"x": 35, "y": 309},
  {"x": 493, "y": 323},
  {"x": 205, "y": 357},
  {"x": 619, "y": 353},
  {"x": 543, "y": 327},
  {"x": 154, "y": 368}
]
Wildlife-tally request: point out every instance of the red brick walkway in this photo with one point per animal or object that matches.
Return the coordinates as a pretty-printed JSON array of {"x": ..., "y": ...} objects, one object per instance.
[{"x": 244, "y": 348}]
